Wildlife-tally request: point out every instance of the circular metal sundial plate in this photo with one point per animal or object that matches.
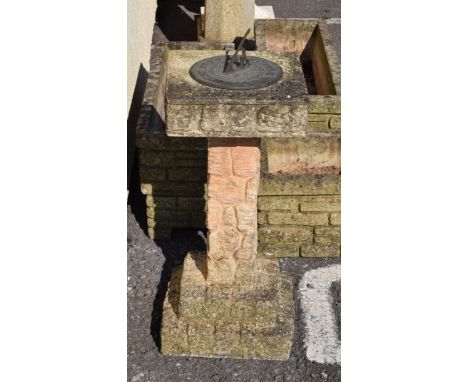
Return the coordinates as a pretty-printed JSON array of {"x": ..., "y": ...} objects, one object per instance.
[{"x": 258, "y": 74}]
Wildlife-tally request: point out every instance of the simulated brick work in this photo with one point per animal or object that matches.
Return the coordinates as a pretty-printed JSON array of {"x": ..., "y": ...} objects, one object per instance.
[
  {"x": 304, "y": 220},
  {"x": 173, "y": 175}
]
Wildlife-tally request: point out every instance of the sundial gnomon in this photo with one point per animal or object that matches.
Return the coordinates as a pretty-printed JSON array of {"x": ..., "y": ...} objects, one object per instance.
[{"x": 236, "y": 73}]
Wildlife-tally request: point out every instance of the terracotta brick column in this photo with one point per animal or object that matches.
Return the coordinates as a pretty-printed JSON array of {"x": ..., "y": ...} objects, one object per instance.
[{"x": 233, "y": 179}]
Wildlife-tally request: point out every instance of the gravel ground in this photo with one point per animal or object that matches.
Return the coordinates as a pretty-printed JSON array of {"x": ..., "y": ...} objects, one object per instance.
[{"x": 149, "y": 267}]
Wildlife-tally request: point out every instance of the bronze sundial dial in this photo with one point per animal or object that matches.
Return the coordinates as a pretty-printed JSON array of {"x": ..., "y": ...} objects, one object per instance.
[{"x": 236, "y": 73}]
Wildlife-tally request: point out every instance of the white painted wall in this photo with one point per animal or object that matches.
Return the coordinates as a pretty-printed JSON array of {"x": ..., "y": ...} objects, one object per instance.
[{"x": 140, "y": 22}]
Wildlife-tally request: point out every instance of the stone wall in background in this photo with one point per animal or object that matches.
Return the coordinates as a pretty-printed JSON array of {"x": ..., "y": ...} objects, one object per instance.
[
  {"x": 299, "y": 216},
  {"x": 173, "y": 173}
]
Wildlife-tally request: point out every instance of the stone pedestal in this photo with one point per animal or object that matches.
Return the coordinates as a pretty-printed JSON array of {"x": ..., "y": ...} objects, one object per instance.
[
  {"x": 228, "y": 302},
  {"x": 227, "y": 19}
]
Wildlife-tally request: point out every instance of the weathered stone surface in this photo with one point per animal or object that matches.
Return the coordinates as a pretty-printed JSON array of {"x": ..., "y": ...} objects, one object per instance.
[
  {"x": 227, "y": 19},
  {"x": 251, "y": 321},
  {"x": 335, "y": 218},
  {"x": 162, "y": 233},
  {"x": 328, "y": 231},
  {"x": 282, "y": 203},
  {"x": 311, "y": 41},
  {"x": 335, "y": 122},
  {"x": 168, "y": 217},
  {"x": 170, "y": 159},
  {"x": 262, "y": 217},
  {"x": 324, "y": 105},
  {"x": 320, "y": 250},
  {"x": 173, "y": 188},
  {"x": 279, "y": 249},
  {"x": 196, "y": 110},
  {"x": 316, "y": 154},
  {"x": 287, "y": 233},
  {"x": 299, "y": 185},
  {"x": 327, "y": 240},
  {"x": 297, "y": 218},
  {"x": 150, "y": 174},
  {"x": 163, "y": 202},
  {"x": 329, "y": 203}
]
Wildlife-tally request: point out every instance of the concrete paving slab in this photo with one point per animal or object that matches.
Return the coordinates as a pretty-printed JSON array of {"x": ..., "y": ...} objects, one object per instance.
[{"x": 315, "y": 294}]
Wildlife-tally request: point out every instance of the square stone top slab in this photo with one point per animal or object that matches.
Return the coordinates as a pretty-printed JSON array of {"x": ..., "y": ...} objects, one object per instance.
[{"x": 196, "y": 110}]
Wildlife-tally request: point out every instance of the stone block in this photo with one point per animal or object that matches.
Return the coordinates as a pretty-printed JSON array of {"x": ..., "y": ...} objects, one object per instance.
[
  {"x": 287, "y": 233},
  {"x": 299, "y": 185},
  {"x": 159, "y": 233},
  {"x": 155, "y": 158},
  {"x": 164, "y": 143},
  {"x": 151, "y": 174},
  {"x": 316, "y": 154},
  {"x": 319, "y": 121},
  {"x": 197, "y": 164},
  {"x": 335, "y": 122},
  {"x": 297, "y": 218},
  {"x": 172, "y": 218},
  {"x": 224, "y": 304},
  {"x": 191, "y": 154},
  {"x": 173, "y": 188},
  {"x": 279, "y": 249},
  {"x": 282, "y": 203},
  {"x": 196, "y": 110},
  {"x": 161, "y": 202},
  {"x": 262, "y": 217},
  {"x": 228, "y": 321},
  {"x": 320, "y": 250},
  {"x": 335, "y": 218},
  {"x": 329, "y": 203},
  {"x": 328, "y": 231},
  {"x": 186, "y": 174},
  {"x": 327, "y": 240},
  {"x": 191, "y": 203},
  {"x": 171, "y": 159}
]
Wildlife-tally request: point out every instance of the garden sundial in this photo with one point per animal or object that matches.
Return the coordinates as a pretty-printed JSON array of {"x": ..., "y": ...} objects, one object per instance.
[
  {"x": 231, "y": 300},
  {"x": 236, "y": 73}
]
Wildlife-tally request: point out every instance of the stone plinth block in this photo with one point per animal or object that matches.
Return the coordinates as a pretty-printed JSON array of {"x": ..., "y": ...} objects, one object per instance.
[
  {"x": 248, "y": 321},
  {"x": 196, "y": 110}
]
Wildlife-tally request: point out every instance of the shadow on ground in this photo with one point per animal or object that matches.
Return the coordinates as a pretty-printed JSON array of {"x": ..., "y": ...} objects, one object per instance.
[{"x": 174, "y": 251}]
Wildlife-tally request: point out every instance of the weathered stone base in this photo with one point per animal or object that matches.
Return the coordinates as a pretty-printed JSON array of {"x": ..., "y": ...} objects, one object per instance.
[{"x": 203, "y": 320}]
